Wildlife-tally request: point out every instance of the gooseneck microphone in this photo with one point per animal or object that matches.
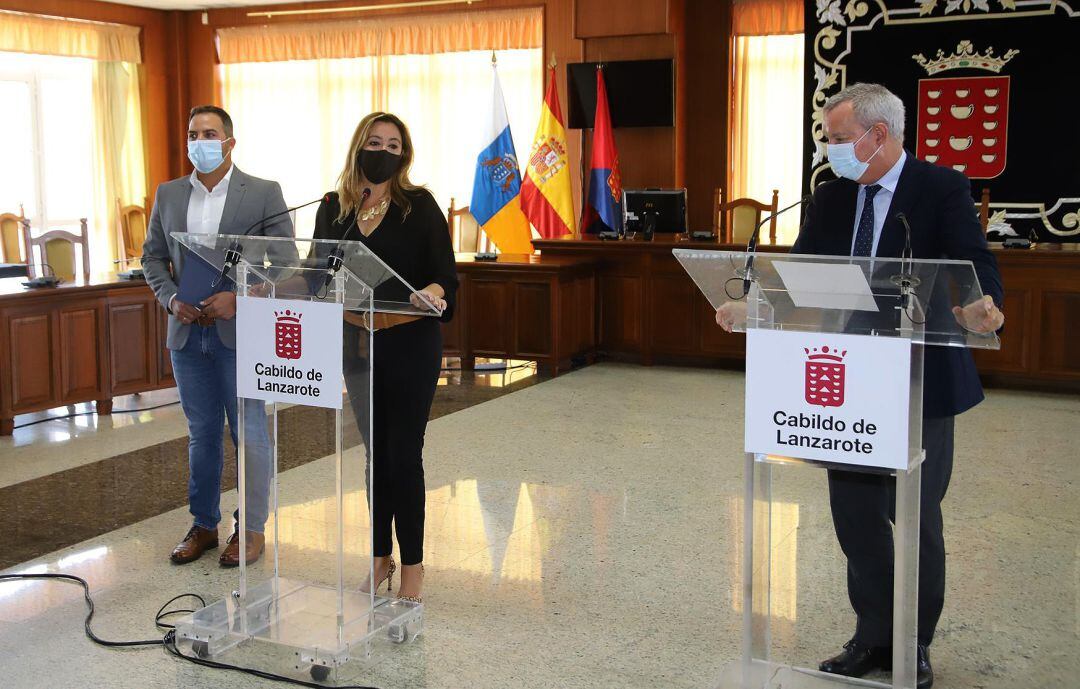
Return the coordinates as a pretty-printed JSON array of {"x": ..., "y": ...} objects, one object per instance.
[
  {"x": 751, "y": 245},
  {"x": 236, "y": 249},
  {"x": 906, "y": 280},
  {"x": 337, "y": 255}
]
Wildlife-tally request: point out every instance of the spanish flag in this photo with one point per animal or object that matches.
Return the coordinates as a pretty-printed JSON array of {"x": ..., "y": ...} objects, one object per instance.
[
  {"x": 497, "y": 183},
  {"x": 545, "y": 196}
]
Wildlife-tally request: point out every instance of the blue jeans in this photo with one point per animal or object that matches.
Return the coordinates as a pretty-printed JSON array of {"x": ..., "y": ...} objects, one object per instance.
[{"x": 205, "y": 373}]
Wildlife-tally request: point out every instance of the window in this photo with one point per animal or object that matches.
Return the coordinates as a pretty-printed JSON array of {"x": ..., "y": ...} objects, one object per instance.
[
  {"x": 767, "y": 131},
  {"x": 294, "y": 120},
  {"x": 47, "y": 122}
]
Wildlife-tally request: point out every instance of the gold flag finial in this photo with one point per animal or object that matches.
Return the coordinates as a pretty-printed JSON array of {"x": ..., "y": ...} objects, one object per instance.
[
  {"x": 553, "y": 61},
  {"x": 493, "y": 60}
]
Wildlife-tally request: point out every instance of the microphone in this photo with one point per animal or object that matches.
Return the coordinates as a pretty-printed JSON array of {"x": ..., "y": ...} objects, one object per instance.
[
  {"x": 905, "y": 280},
  {"x": 337, "y": 255},
  {"x": 751, "y": 245},
  {"x": 232, "y": 254}
]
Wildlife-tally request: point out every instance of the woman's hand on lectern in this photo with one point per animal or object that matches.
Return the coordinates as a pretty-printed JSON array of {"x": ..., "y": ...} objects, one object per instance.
[
  {"x": 981, "y": 316},
  {"x": 731, "y": 315},
  {"x": 432, "y": 295}
]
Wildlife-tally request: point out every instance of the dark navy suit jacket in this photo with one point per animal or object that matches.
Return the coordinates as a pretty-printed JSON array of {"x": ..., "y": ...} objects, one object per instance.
[{"x": 938, "y": 204}]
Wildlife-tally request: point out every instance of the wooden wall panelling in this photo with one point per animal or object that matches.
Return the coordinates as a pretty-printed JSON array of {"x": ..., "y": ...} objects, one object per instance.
[
  {"x": 596, "y": 18},
  {"x": 702, "y": 126}
]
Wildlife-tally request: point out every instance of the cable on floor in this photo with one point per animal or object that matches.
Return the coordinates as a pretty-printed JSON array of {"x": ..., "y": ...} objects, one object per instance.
[
  {"x": 92, "y": 413},
  {"x": 169, "y": 640}
]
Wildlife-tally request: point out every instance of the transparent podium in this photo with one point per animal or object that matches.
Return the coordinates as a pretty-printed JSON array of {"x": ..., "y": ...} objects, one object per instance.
[
  {"x": 834, "y": 379},
  {"x": 305, "y": 605}
]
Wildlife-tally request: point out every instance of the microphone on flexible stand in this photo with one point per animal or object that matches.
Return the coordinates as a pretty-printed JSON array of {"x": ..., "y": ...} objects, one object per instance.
[
  {"x": 751, "y": 245},
  {"x": 337, "y": 255},
  {"x": 233, "y": 253},
  {"x": 906, "y": 280}
]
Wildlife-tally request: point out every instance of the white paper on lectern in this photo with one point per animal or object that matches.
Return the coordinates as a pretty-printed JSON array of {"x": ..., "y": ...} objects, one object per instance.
[{"x": 826, "y": 285}]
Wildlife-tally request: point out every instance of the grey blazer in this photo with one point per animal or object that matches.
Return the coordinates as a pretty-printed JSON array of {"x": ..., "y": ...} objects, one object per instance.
[{"x": 248, "y": 200}]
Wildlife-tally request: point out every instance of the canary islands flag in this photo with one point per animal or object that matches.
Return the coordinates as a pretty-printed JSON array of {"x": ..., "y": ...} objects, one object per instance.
[
  {"x": 545, "y": 195},
  {"x": 497, "y": 183}
]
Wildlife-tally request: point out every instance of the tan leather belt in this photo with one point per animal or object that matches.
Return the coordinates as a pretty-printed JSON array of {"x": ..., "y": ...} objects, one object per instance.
[{"x": 382, "y": 320}]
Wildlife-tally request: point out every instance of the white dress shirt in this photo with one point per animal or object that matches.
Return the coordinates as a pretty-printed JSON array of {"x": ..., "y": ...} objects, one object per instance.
[
  {"x": 206, "y": 206},
  {"x": 882, "y": 201}
]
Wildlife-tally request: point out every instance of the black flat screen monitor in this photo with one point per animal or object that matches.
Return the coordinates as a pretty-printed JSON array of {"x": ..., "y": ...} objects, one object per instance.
[
  {"x": 668, "y": 205},
  {"x": 641, "y": 93}
]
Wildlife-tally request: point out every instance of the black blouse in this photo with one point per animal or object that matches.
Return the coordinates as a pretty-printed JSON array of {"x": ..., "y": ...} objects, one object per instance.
[{"x": 417, "y": 248}]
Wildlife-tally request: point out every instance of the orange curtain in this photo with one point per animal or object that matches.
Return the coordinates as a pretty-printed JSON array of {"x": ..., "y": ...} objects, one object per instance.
[
  {"x": 424, "y": 35},
  {"x": 767, "y": 17},
  {"x": 33, "y": 33}
]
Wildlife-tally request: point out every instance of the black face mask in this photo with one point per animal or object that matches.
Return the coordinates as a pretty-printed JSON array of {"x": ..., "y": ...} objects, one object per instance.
[{"x": 378, "y": 166}]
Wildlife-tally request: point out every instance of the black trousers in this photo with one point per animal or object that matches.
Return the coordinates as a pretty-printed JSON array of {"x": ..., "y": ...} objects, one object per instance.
[
  {"x": 863, "y": 509},
  {"x": 408, "y": 359}
]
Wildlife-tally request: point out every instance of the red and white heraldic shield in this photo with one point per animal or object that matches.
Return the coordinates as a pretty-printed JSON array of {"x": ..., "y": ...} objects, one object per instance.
[
  {"x": 962, "y": 124},
  {"x": 824, "y": 379}
]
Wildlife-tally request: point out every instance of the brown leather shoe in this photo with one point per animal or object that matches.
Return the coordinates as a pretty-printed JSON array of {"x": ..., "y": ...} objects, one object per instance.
[
  {"x": 255, "y": 542},
  {"x": 197, "y": 541}
]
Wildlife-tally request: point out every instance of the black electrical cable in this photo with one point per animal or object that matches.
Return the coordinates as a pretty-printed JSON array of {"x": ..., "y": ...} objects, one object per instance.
[
  {"x": 169, "y": 640},
  {"x": 492, "y": 370},
  {"x": 92, "y": 413},
  {"x": 90, "y": 605}
]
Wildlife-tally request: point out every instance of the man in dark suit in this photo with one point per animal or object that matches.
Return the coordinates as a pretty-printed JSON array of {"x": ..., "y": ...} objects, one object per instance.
[{"x": 857, "y": 216}]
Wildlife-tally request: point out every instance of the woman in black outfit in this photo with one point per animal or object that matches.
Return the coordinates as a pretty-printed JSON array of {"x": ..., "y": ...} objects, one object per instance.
[{"x": 404, "y": 226}]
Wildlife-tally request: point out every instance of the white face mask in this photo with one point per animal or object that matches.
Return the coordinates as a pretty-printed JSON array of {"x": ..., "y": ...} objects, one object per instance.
[
  {"x": 205, "y": 154},
  {"x": 844, "y": 161}
]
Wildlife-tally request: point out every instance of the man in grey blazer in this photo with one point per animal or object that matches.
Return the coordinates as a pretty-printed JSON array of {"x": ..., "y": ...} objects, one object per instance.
[{"x": 217, "y": 198}]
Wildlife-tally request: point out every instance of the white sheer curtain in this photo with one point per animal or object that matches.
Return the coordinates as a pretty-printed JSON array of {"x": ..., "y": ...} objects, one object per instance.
[
  {"x": 766, "y": 142},
  {"x": 293, "y": 120}
]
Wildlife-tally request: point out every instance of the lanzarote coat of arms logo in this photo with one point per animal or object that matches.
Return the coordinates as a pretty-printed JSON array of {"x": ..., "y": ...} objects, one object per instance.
[
  {"x": 963, "y": 122},
  {"x": 824, "y": 380},
  {"x": 287, "y": 335}
]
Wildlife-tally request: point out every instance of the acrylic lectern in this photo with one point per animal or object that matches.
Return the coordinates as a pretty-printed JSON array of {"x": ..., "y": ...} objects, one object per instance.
[
  {"x": 834, "y": 373},
  {"x": 306, "y": 606}
]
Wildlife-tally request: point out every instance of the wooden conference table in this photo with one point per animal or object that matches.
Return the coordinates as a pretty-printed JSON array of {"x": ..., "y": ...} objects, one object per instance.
[
  {"x": 650, "y": 312},
  {"x": 78, "y": 343},
  {"x": 622, "y": 300}
]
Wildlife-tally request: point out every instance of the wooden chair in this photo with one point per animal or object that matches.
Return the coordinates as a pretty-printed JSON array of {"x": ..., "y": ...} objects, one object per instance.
[
  {"x": 984, "y": 210},
  {"x": 130, "y": 230},
  {"x": 465, "y": 233},
  {"x": 734, "y": 221},
  {"x": 57, "y": 250},
  {"x": 11, "y": 231}
]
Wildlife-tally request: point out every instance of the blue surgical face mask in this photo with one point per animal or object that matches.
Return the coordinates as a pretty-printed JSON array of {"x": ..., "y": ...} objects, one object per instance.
[
  {"x": 205, "y": 154},
  {"x": 844, "y": 161}
]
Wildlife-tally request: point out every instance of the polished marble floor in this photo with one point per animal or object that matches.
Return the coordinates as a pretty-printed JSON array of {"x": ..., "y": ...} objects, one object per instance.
[{"x": 585, "y": 532}]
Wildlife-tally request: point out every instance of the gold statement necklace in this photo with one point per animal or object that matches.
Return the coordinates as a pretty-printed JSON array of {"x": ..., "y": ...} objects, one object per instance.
[{"x": 375, "y": 211}]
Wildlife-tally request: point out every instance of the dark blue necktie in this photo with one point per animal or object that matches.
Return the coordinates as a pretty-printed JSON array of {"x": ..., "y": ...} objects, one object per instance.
[{"x": 864, "y": 236}]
